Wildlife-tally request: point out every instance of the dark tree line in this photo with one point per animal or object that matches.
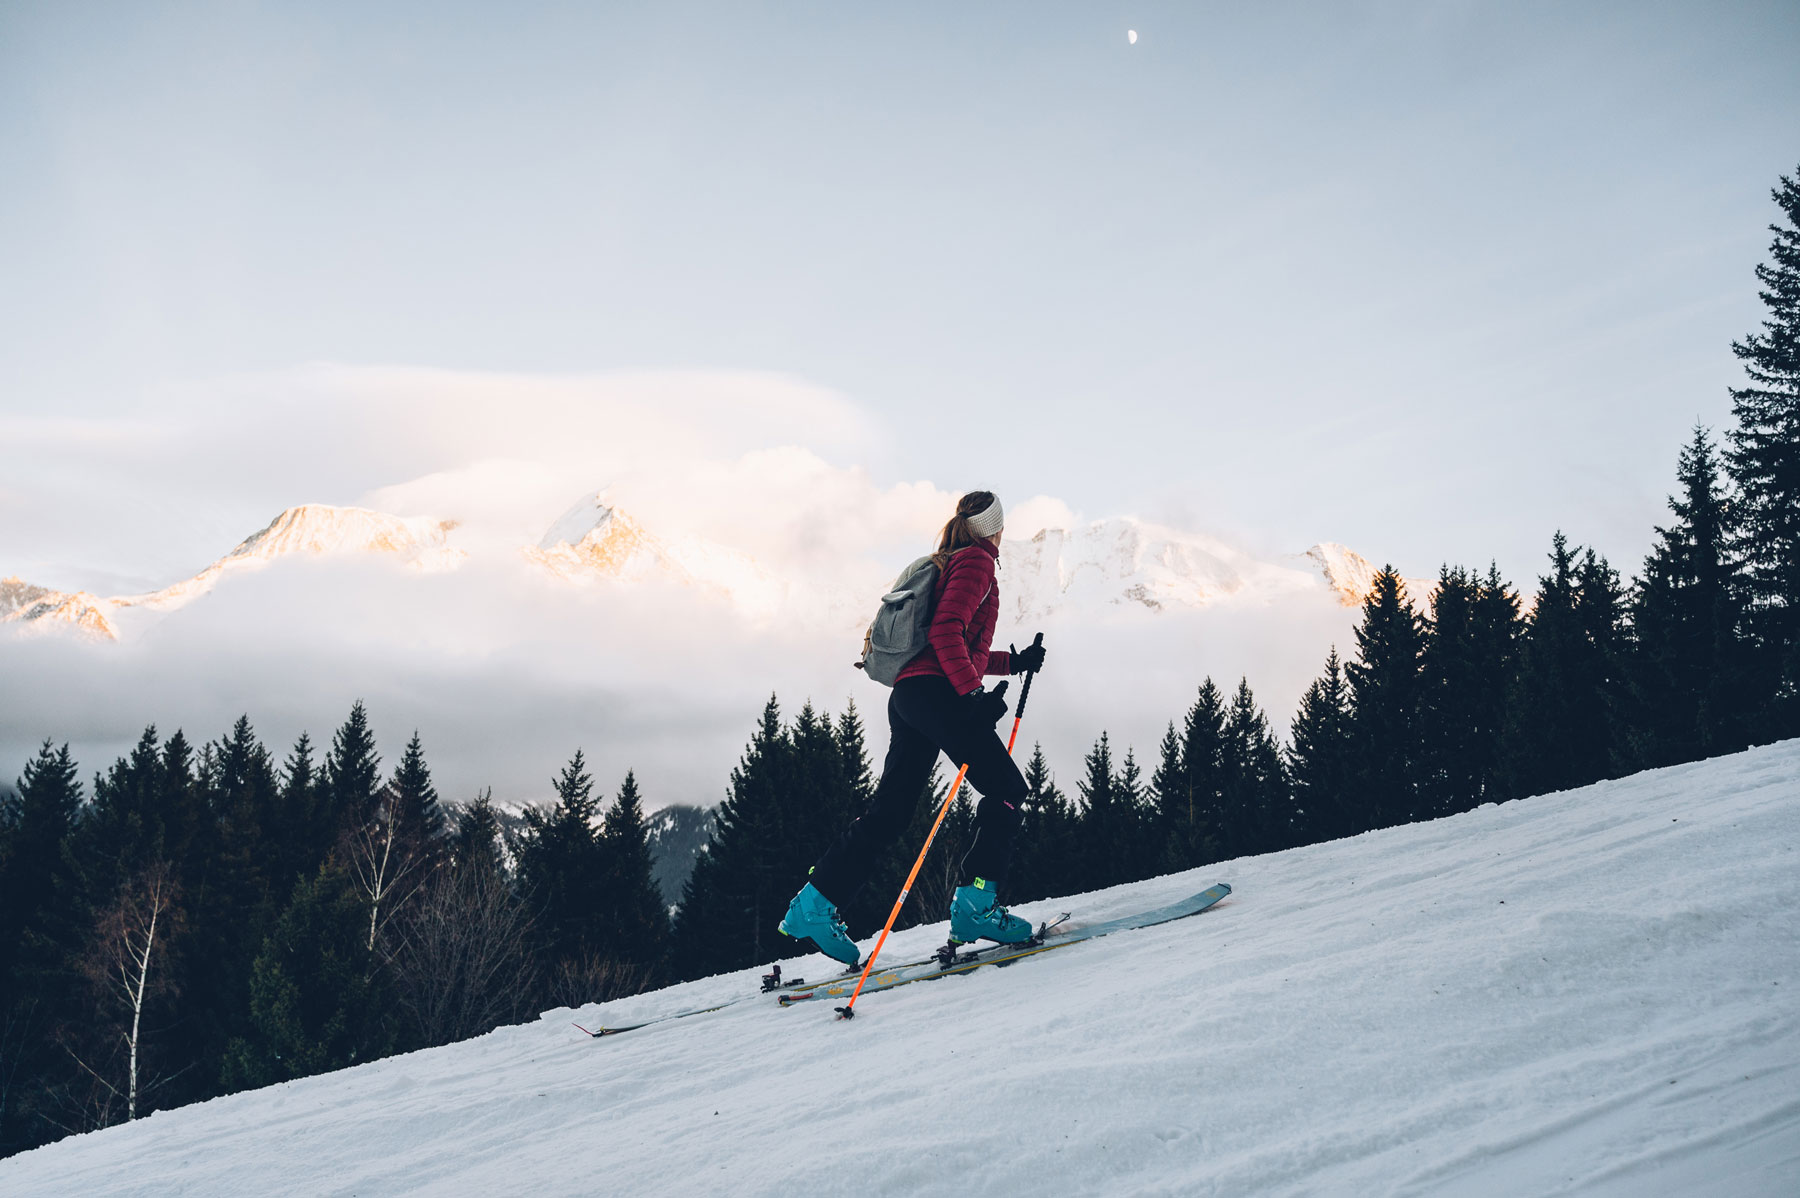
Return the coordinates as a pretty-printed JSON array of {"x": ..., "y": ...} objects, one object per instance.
[{"x": 208, "y": 919}]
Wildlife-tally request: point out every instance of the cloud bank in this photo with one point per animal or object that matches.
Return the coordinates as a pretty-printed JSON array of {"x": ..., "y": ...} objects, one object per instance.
[{"x": 503, "y": 674}]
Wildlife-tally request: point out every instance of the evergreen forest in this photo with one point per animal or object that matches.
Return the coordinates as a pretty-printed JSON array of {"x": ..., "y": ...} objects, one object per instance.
[{"x": 197, "y": 918}]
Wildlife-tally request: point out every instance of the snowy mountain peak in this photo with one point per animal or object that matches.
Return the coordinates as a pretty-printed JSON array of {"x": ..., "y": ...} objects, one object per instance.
[
  {"x": 1348, "y": 573},
  {"x": 40, "y": 609},
  {"x": 318, "y": 530},
  {"x": 593, "y": 536},
  {"x": 16, "y": 593},
  {"x": 596, "y": 541},
  {"x": 312, "y": 529},
  {"x": 1131, "y": 562},
  {"x": 589, "y": 514},
  {"x": 1352, "y": 575}
]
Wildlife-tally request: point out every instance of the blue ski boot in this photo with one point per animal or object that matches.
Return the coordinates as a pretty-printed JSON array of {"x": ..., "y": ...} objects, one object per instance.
[
  {"x": 812, "y": 917},
  {"x": 976, "y": 914}
]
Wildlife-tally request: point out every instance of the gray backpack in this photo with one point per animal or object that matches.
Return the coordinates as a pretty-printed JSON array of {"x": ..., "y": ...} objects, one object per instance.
[{"x": 901, "y": 624}]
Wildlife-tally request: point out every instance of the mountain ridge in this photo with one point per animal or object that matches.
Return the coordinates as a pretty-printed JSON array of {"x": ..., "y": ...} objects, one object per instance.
[{"x": 1117, "y": 562}]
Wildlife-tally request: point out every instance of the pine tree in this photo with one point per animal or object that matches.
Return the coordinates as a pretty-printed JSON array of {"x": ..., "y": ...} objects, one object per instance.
[
  {"x": 563, "y": 868},
  {"x": 245, "y": 799},
  {"x": 1108, "y": 821},
  {"x": 1321, "y": 759},
  {"x": 352, "y": 776},
  {"x": 43, "y": 923},
  {"x": 317, "y": 995},
  {"x": 1045, "y": 856},
  {"x": 38, "y": 884},
  {"x": 302, "y": 836},
  {"x": 44, "y": 919},
  {"x": 1600, "y": 606},
  {"x": 738, "y": 891},
  {"x": 1499, "y": 627},
  {"x": 819, "y": 800},
  {"x": 1467, "y": 668},
  {"x": 1254, "y": 797},
  {"x": 418, "y": 812},
  {"x": 637, "y": 928},
  {"x": 1688, "y": 678},
  {"x": 1764, "y": 460},
  {"x": 1143, "y": 850},
  {"x": 476, "y": 842},
  {"x": 856, "y": 779},
  {"x": 1188, "y": 786},
  {"x": 1561, "y": 725},
  {"x": 1168, "y": 791},
  {"x": 1385, "y": 689},
  {"x": 122, "y": 833},
  {"x": 185, "y": 812},
  {"x": 227, "y": 898}
]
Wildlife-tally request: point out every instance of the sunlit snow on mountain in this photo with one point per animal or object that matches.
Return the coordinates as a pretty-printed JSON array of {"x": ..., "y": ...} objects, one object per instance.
[{"x": 313, "y": 529}]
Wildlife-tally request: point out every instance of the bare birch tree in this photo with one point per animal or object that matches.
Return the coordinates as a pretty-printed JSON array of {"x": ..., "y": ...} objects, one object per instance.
[
  {"x": 386, "y": 862},
  {"x": 129, "y": 964}
]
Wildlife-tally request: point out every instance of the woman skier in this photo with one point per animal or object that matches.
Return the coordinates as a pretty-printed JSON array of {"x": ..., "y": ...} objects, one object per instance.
[{"x": 938, "y": 704}]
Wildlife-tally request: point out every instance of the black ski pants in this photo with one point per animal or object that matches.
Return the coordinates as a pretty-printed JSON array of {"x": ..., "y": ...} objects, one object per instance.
[{"x": 927, "y": 716}]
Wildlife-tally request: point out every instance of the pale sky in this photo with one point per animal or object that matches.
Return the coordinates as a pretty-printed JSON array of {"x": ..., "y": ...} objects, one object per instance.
[{"x": 1428, "y": 279}]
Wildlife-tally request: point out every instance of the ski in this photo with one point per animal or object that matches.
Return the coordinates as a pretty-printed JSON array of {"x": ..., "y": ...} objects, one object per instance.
[
  {"x": 603, "y": 1030},
  {"x": 958, "y": 963},
  {"x": 772, "y": 982},
  {"x": 947, "y": 961}
]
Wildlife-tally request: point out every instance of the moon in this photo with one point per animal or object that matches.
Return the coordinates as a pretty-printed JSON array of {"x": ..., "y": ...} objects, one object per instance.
[{"x": 1131, "y": 36}]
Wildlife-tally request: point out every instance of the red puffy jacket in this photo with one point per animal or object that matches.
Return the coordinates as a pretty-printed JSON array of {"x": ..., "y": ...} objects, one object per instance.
[{"x": 966, "y": 607}]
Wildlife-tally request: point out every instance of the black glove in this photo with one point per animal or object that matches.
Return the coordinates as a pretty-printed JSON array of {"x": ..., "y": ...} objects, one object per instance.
[
  {"x": 1028, "y": 660},
  {"x": 986, "y": 707}
]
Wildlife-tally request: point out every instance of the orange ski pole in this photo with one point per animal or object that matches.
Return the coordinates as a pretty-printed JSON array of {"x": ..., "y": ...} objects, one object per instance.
[{"x": 848, "y": 1010}]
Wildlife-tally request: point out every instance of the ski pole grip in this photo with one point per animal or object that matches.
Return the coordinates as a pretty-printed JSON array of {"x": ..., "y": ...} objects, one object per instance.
[{"x": 1025, "y": 691}]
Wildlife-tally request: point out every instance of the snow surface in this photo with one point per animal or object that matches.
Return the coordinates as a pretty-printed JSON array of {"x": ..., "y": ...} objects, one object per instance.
[{"x": 1584, "y": 993}]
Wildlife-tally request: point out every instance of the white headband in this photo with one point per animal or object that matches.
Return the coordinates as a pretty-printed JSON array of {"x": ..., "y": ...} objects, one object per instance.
[{"x": 988, "y": 521}]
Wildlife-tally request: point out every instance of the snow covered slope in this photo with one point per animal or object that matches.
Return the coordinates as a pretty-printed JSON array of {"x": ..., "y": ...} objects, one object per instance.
[{"x": 1585, "y": 993}]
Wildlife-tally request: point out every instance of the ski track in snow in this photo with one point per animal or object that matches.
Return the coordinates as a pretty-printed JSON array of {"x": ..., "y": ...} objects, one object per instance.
[{"x": 1585, "y": 993}]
